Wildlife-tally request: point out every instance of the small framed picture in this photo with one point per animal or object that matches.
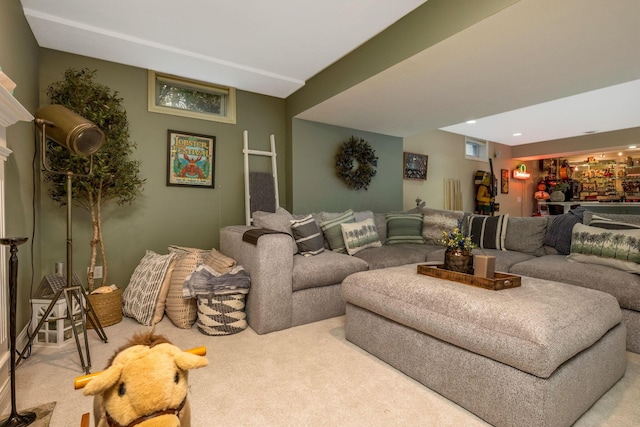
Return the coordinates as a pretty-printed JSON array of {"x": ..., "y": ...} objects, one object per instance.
[
  {"x": 190, "y": 159},
  {"x": 504, "y": 181},
  {"x": 415, "y": 166}
]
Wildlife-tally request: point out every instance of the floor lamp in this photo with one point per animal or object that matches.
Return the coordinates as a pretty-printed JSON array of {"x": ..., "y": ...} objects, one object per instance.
[{"x": 80, "y": 136}]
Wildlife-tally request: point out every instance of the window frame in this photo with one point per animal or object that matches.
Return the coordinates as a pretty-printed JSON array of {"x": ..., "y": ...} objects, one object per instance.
[
  {"x": 482, "y": 148},
  {"x": 228, "y": 92}
]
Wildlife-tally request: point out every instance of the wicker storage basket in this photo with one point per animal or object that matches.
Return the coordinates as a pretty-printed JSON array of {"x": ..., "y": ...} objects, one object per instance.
[
  {"x": 107, "y": 307},
  {"x": 221, "y": 314}
]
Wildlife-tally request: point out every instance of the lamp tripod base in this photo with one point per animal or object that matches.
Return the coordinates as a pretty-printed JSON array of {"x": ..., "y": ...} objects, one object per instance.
[{"x": 17, "y": 420}]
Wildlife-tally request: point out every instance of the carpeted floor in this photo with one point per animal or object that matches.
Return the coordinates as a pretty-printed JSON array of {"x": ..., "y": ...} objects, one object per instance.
[{"x": 304, "y": 376}]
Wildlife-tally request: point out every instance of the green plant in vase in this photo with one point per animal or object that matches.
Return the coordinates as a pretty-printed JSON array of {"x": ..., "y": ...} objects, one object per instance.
[
  {"x": 115, "y": 177},
  {"x": 458, "y": 256}
]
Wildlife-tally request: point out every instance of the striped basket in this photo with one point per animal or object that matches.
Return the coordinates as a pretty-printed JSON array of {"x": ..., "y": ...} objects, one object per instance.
[{"x": 221, "y": 314}]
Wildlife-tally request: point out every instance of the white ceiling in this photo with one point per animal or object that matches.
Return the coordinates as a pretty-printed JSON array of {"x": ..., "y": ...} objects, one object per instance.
[{"x": 545, "y": 68}]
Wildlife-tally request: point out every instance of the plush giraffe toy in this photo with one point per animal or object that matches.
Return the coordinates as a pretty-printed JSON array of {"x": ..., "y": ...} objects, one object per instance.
[{"x": 145, "y": 385}]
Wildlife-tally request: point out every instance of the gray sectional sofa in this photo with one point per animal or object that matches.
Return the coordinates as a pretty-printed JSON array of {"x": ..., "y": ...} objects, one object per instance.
[{"x": 288, "y": 289}]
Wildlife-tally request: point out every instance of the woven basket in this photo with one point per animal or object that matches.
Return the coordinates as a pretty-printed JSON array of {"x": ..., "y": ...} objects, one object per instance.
[
  {"x": 221, "y": 314},
  {"x": 107, "y": 307}
]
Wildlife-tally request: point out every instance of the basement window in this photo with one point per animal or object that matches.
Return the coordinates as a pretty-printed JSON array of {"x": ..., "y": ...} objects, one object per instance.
[
  {"x": 190, "y": 98},
  {"x": 476, "y": 149}
]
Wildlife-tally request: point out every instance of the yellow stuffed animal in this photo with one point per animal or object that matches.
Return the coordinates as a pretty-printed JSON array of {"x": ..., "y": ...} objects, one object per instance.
[{"x": 145, "y": 385}]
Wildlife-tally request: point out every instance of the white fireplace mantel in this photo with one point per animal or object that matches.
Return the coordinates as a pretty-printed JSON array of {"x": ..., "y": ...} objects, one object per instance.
[{"x": 11, "y": 112}]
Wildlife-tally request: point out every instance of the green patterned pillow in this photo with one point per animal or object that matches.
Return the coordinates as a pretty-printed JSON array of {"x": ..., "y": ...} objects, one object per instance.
[
  {"x": 613, "y": 248},
  {"x": 404, "y": 228},
  {"x": 333, "y": 232},
  {"x": 360, "y": 235}
]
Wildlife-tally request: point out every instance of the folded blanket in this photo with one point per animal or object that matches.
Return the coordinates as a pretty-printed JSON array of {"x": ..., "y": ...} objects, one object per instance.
[
  {"x": 252, "y": 236},
  {"x": 205, "y": 280}
]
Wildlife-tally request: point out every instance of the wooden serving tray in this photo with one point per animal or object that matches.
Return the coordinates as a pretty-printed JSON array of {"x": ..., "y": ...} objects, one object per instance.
[{"x": 500, "y": 282}]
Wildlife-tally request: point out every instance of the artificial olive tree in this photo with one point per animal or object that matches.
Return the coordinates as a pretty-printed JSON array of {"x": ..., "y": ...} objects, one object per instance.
[{"x": 115, "y": 177}]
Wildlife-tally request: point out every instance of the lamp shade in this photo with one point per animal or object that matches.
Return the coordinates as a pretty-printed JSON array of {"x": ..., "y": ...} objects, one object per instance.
[{"x": 72, "y": 131}]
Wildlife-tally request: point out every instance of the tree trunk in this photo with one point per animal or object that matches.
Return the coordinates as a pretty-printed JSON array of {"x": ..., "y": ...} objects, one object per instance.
[
  {"x": 103, "y": 252},
  {"x": 95, "y": 239}
]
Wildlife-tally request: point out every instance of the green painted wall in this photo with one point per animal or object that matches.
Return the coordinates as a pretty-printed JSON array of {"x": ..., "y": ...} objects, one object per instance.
[
  {"x": 163, "y": 215},
  {"x": 316, "y": 184},
  {"x": 19, "y": 60}
]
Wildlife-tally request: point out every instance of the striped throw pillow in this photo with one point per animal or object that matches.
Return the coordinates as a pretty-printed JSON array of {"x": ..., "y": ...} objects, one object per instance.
[
  {"x": 404, "y": 228},
  {"x": 488, "y": 232},
  {"x": 333, "y": 232},
  {"x": 307, "y": 235}
]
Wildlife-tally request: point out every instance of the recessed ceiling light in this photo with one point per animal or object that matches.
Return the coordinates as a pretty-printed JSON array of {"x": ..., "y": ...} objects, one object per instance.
[
  {"x": 620, "y": 153},
  {"x": 517, "y": 134},
  {"x": 470, "y": 122}
]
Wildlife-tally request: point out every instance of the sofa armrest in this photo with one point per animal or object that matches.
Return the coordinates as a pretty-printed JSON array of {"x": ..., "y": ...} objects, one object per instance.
[{"x": 270, "y": 266}]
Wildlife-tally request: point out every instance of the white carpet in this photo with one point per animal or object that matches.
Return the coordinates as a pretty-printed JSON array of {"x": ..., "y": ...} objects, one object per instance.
[{"x": 304, "y": 376}]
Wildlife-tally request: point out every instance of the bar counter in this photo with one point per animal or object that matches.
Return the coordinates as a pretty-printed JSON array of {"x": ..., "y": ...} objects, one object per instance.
[{"x": 632, "y": 208}]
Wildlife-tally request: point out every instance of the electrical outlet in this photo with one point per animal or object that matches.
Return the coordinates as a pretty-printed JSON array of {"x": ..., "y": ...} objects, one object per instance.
[
  {"x": 97, "y": 272},
  {"x": 519, "y": 199}
]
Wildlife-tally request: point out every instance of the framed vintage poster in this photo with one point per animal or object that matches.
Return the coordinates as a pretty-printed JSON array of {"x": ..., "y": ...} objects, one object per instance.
[
  {"x": 190, "y": 159},
  {"x": 415, "y": 166},
  {"x": 504, "y": 181}
]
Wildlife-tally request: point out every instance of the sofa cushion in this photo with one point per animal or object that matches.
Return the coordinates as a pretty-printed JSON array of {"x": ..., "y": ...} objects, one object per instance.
[
  {"x": 404, "y": 228},
  {"x": 333, "y": 232},
  {"x": 624, "y": 286},
  {"x": 589, "y": 216},
  {"x": 394, "y": 255},
  {"x": 488, "y": 232},
  {"x": 613, "y": 248},
  {"x": 604, "y": 222},
  {"x": 504, "y": 259},
  {"x": 307, "y": 235},
  {"x": 526, "y": 234},
  {"x": 325, "y": 269},
  {"x": 360, "y": 235},
  {"x": 437, "y": 221}
]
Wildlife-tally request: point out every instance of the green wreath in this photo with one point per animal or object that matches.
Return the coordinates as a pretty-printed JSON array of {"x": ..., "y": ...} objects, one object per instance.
[{"x": 359, "y": 150}]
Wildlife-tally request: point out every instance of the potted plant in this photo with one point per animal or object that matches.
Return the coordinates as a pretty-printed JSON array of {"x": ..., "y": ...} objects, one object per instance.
[
  {"x": 458, "y": 256},
  {"x": 115, "y": 177}
]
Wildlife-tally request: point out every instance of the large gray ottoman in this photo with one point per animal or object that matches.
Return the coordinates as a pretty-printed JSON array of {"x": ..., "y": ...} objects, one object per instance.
[{"x": 537, "y": 355}]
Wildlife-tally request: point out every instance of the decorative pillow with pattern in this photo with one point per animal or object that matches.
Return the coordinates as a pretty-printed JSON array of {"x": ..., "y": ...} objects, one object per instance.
[
  {"x": 183, "y": 311},
  {"x": 307, "y": 235},
  {"x": 436, "y": 222},
  {"x": 333, "y": 232},
  {"x": 360, "y": 235},
  {"x": 404, "y": 228},
  {"x": 141, "y": 295},
  {"x": 613, "y": 248},
  {"x": 488, "y": 232}
]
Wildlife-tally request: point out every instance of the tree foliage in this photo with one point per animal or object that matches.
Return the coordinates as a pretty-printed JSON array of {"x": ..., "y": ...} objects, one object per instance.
[{"x": 115, "y": 177}]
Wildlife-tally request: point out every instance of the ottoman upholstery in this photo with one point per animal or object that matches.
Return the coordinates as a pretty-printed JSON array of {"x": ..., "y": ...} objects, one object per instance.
[{"x": 513, "y": 357}]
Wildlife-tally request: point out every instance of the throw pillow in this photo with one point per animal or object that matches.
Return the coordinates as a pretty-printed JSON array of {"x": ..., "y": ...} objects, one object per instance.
[
  {"x": 404, "y": 228},
  {"x": 141, "y": 296},
  {"x": 613, "y": 248},
  {"x": 164, "y": 291},
  {"x": 558, "y": 234},
  {"x": 488, "y": 232},
  {"x": 219, "y": 261},
  {"x": 307, "y": 235},
  {"x": 437, "y": 221},
  {"x": 181, "y": 311},
  {"x": 360, "y": 235},
  {"x": 333, "y": 232},
  {"x": 608, "y": 223},
  {"x": 278, "y": 220}
]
